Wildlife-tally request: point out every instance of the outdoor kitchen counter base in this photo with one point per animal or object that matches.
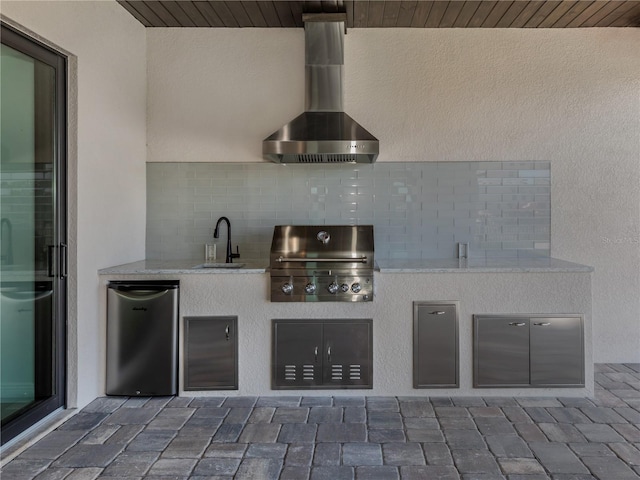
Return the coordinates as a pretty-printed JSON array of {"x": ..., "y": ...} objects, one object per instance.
[{"x": 565, "y": 289}]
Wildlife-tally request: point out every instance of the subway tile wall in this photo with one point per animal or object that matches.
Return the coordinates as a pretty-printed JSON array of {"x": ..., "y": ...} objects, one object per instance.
[{"x": 418, "y": 209}]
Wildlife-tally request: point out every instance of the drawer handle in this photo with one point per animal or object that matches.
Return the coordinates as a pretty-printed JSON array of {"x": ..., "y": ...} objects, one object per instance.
[
  {"x": 517, "y": 324},
  {"x": 329, "y": 354},
  {"x": 542, "y": 324},
  {"x": 438, "y": 312},
  {"x": 226, "y": 332},
  {"x": 315, "y": 353}
]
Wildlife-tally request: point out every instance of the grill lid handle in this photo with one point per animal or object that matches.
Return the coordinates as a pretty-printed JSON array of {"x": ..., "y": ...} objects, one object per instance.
[{"x": 362, "y": 259}]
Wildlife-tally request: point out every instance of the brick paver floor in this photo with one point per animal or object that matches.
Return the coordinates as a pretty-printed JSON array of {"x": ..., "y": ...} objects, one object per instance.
[{"x": 351, "y": 438}]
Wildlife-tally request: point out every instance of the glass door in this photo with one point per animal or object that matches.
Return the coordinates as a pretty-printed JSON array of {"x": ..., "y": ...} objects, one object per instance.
[{"x": 32, "y": 231}]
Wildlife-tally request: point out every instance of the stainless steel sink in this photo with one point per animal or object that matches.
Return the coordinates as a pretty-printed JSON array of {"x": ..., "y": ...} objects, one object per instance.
[{"x": 219, "y": 265}]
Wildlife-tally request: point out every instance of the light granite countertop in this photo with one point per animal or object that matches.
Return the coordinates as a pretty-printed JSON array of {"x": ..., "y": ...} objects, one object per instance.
[
  {"x": 502, "y": 265},
  {"x": 453, "y": 265},
  {"x": 175, "y": 267}
]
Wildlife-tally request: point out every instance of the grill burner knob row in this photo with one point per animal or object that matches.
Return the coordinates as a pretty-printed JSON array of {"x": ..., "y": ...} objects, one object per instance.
[
  {"x": 287, "y": 288},
  {"x": 344, "y": 288},
  {"x": 310, "y": 289},
  {"x": 356, "y": 287},
  {"x": 333, "y": 288}
]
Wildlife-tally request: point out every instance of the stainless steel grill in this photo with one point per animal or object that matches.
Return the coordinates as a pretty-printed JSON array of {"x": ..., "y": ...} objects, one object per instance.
[{"x": 325, "y": 263}]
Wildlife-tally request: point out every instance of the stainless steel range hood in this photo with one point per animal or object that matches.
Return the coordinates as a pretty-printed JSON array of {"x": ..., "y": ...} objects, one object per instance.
[{"x": 323, "y": 133}]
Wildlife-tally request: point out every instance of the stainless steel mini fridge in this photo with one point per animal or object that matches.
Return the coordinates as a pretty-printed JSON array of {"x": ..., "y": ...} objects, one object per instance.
[{"x": 142, "y": 338}]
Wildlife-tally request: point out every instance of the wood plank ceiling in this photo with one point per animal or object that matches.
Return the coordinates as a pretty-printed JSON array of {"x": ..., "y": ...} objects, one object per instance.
[{"x": 390, "y": 13}]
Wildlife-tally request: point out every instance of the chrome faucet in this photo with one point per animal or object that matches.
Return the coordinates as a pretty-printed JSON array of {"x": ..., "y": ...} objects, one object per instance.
[{"x": 216, "y": 234}]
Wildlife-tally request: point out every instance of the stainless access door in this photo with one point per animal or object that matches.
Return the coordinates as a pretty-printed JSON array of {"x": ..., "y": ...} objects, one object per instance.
[
  {"x": 297, "y": 354},
  {"x": 142, "y": 338},
  {"x": 501, "y": 351},
  {"x": 557, "y": 356},
  {"x": 210, "y": 353},
  {"x": 435, "y": 345},
  {"x": 347, "y": 353}
]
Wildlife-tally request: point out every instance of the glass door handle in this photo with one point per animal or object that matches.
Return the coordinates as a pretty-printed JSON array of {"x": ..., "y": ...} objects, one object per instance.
[
  {"x": 57, "y": 268},
  {"x": 63, "y": 260}
]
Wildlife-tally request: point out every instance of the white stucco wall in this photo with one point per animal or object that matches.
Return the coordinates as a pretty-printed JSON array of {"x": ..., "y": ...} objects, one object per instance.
[
  {"x": 571, "y": 97},
  {"x": 107, "y": 135}
]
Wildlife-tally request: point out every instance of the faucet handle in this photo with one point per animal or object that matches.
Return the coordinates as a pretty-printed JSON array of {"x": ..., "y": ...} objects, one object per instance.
[{"x": 237, "y": 254}]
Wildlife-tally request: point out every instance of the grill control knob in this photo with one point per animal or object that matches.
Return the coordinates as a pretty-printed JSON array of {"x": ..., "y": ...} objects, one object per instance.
[
  {"x": 356, "y": 287},
  {"x": 344, "y": 287},
  {"x": 310, "y": 289},
  {"x": 287, "y": 288},
  {"x": 333, "y": 287}
]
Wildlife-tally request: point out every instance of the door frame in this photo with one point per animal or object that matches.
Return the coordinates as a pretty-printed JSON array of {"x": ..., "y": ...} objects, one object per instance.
[{"x": 32, "y": 47}]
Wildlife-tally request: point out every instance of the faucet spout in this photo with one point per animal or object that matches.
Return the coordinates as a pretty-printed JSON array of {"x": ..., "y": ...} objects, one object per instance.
[{"x": 216, "y": 234}]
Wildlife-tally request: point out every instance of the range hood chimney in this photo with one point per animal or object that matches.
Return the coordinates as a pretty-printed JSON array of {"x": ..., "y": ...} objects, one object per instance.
[{"x": 323, "y": 133}]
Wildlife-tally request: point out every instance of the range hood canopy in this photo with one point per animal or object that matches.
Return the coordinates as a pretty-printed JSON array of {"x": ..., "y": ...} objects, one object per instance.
[{"x": 323, "y": 133}]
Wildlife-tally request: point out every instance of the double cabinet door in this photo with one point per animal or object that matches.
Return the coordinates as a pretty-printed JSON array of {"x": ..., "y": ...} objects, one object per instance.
[
  {"x": 333, "y": 353},
  {"x": 520, "y": 351}
]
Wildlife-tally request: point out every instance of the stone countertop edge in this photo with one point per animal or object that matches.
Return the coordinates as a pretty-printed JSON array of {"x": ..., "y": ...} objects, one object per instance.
[
  {"x": 181, "y": 267},
  {"x": 483, "y": 265},
  {"x": 454, "y": 265}
]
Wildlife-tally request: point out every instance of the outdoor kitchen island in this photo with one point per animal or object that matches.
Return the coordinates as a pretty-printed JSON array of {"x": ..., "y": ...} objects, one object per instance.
[{"x": 534, "y": 286}]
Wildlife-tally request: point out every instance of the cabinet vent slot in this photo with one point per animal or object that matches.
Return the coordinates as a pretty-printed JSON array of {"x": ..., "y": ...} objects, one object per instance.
[
  {"x": 336, "y": 372},
  {"x": 308, "y": 372},
  {"x": 290, "y": 372},
  {"x": 354, "y": 372}
]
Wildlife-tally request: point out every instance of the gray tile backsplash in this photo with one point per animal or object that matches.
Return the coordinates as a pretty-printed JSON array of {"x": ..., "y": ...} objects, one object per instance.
[{"x": 418, "y": 209}]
